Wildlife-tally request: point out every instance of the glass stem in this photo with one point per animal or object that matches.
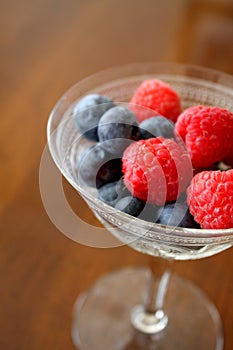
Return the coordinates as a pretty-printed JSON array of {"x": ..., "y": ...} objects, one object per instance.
[
  {"x": 150, "y": 318},
  {"x": 158, "y": 279}
]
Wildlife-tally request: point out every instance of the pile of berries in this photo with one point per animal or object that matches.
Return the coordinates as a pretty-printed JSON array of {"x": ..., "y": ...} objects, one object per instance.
[{"x": 169, "y": 166}]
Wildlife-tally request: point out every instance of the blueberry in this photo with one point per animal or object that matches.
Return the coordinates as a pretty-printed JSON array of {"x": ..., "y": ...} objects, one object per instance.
[
  {"x": 130, "y": 205},
  {"x": 117, "y": 128},
  {"x": 156, "y": 126},
  {"x": 88, "y": 112},
  {"x": 97, "y": 167},
  {"x": 112, "y": 192},
  {"x": 149, "y": 213},
  {"x": 176, "y": 214}
]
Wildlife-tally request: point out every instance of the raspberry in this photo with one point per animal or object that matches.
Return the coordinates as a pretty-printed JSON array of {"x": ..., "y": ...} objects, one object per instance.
[
  {"x": 210, "y": 199},
  {"x": 156, "y": 170},
  {"x": 158, "y": 96},
  {"x": 229, "y": 160},
  {"x": 207, "y": 133}
]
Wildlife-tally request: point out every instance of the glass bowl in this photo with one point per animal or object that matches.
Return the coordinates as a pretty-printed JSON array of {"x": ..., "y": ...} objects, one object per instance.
[{"x": 195, "y": 85}]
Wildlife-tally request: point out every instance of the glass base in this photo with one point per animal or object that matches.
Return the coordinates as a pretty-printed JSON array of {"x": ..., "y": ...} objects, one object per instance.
[{"x": 102, "y": 316}]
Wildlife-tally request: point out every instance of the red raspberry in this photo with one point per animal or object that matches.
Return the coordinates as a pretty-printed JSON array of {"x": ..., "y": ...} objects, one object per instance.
[
  {"x": 229, "y": 160},
  {"x": 159, "y": 96},
  {"x": 156, "y": 170},
  {"x": 207, "y": 133},
  {"x": 210, "y": 199}
]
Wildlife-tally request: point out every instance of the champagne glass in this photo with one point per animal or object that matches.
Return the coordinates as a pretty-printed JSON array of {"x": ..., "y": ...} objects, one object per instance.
[{"x": 143, "y": 307}]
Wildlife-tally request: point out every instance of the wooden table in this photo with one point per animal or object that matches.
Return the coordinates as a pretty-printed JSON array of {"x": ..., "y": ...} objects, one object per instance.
[{"x": 47, "y": 46}]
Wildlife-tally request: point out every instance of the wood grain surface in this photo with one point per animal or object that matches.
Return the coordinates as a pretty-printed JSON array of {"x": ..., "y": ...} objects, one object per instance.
[{"x": 47, "y": 46}]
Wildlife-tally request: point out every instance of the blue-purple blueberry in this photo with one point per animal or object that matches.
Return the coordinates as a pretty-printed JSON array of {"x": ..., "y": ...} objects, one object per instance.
[
  {"x": 87, "y": 113},
  {"x": 130, "y": 205},
  {"x": 118, "y": 127},
  {"x": 176, "y": 214},
  {"x": 97, "y": 167},
  {"x": 112, "y": 192},
  {"x": 156, "y": 126}
]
